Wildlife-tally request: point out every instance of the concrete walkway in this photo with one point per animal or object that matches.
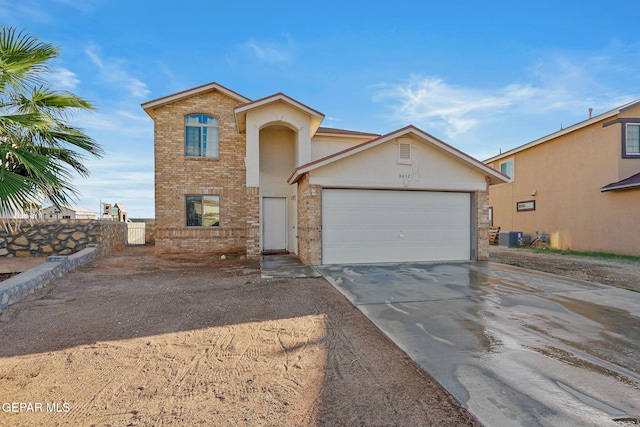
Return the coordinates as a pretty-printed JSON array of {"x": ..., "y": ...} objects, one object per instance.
[
  {"x": 272, "y": 266},
  {"x": 516, "y": 347}
]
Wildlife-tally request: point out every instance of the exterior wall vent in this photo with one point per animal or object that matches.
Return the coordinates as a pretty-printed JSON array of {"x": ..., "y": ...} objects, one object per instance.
[{"x": 404, "y": 152}]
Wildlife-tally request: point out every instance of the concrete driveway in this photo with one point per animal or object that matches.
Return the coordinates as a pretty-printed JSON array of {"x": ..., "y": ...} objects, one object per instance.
[{"x": 516, "y": 347}]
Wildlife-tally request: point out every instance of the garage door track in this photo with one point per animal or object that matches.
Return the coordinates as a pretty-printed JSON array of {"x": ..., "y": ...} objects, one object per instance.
[{"x": 516, "y": 347}]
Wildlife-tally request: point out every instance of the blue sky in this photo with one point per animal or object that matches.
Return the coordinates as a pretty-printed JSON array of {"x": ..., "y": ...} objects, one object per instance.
[{"x": 482, "y": 76}]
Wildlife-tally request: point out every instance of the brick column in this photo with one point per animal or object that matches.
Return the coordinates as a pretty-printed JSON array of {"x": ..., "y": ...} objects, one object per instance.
[
  {"x": 309, "y": 222},
  {"x": 252, "y": 214},
  {"x": 483, "y": 225}
]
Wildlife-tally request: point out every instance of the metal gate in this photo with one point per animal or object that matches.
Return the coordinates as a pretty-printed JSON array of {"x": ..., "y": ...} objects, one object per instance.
[{"x": 135, "y": 234}]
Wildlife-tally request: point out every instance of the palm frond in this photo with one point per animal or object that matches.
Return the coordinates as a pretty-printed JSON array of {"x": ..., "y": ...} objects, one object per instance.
[
  {"x": 24, "y": 59},
  {"x": 39, "y": 149}
]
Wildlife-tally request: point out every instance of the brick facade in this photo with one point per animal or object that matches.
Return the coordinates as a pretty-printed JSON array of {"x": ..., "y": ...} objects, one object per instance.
[
  {"x": 309, "y": 222},
  {"x": 240, "y": 228},
  {"x": 177, "y": 176}
]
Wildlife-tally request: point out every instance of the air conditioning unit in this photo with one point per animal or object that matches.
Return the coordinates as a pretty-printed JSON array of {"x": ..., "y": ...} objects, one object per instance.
[{"x": 510, "y": 238}]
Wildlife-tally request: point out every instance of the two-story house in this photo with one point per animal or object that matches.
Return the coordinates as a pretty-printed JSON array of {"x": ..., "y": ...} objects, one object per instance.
[
  {"x": 253, "y": 177},
  {"x": 579, "y": 187}
]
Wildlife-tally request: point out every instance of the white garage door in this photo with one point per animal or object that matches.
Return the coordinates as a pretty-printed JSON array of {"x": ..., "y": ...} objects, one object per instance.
[{"x": 362, "y": 226}]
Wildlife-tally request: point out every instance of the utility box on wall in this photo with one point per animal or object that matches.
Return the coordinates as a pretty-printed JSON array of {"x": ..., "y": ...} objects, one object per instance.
[{"x": 510, "y": 238}]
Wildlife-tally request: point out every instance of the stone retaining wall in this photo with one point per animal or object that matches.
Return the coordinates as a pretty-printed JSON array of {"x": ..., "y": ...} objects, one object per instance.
[
  {"x": 17, "y": 287},
  {"x": 61, "y": 237}
]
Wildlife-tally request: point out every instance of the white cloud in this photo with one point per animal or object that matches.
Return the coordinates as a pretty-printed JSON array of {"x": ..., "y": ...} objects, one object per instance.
[
  {"x": 557, "y": 88},
  {"x": 82, "y": 5},
  {"x": 62, "y": 78},
  {"x": 94, "y": 58},
  {"x": 271, "y": 52},
  {"x": 39, "y": 11},
  {"x": 112, "y": 71},
  {"x": 27, "y": 10},
  {"x": 454, "y": 109}
]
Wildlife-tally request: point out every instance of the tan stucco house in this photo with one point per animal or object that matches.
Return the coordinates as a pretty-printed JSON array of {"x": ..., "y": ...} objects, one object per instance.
[
  {"x": 253, "y": 177},
  {"x": 579, "y": 187}
]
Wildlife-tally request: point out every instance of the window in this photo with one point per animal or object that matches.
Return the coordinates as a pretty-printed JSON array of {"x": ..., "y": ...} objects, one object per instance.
[
  {"x": 507, "y": 168},
  {"x": 201, "y": 136},
  {"x": 203, "y": 211},
  {"x": 632, "y": 140}
]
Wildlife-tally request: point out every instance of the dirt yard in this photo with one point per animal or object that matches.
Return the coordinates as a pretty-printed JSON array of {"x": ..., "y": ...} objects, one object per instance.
[
  {"x": 135, "y": 340},
  {"x": 622, "y": 274}
]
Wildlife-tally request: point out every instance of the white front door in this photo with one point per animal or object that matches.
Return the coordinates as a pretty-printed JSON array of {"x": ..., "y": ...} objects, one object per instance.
[{"x": 274, "y": 223}]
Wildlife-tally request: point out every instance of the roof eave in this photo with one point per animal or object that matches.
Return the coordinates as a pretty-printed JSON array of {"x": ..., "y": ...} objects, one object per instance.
[
  {"x": 565, "y": 131},
  {"x": 494, "y": 177},
  {"x": 620, "y": 187},
  {"x": 150, "y": 106},
  {"x": 240, "y": 111}
]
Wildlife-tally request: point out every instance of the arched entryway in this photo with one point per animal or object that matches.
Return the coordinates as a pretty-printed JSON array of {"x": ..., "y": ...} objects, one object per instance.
[{"x": 278, "y": 207}]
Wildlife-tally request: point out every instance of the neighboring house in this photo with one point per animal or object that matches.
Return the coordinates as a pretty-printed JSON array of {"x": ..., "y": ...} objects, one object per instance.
[
  {"x": 235, "y": 175},
  {"x": 67, "y": 212},
  {"x": 123, "y": 215},
  {"x": 29, "y": 210},
  {"x": 580, "y": 186}
]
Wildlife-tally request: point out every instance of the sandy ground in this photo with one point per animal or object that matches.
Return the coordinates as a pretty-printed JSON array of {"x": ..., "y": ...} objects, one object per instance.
[
  {"x": 621, "y": 274},
  {"x": 137, "y": 340}
]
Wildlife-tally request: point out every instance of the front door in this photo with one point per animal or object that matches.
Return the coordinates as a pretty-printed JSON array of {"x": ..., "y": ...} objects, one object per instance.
[{"x": 274, "y": 224}]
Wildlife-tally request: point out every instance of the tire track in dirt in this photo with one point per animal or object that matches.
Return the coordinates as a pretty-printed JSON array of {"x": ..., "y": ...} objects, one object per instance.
[{"x": 140, "y": 340}]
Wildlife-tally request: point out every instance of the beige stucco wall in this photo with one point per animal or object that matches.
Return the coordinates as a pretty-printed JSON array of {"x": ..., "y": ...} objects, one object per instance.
[
  {"x": 277, "y": 160},
  {"x": 177, "y": 175},
  {"x": 377, "y": 167},
  {"x": 323, "y": 146},
  {"x": 564, "y": 178},
  {"x": 275, "y": 114}
]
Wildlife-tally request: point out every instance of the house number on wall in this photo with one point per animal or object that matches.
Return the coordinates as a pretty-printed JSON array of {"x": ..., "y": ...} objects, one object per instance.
[{"x": 406, "y": 177}]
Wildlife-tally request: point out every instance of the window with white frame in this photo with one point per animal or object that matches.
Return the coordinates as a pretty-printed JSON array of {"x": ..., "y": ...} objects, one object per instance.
[
  {"x": 203, "y": 211},
  {"x": 201, "y": 136},
  {"x": 507, "y": 168},
  {"x": 632, "y": 139}
]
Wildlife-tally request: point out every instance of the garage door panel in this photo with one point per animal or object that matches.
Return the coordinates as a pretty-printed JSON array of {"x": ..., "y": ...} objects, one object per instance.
[{"x": 395, "y": 226}]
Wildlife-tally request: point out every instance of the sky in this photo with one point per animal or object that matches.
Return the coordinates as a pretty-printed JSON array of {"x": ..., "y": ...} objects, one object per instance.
[{"x": 483, "y": 76}]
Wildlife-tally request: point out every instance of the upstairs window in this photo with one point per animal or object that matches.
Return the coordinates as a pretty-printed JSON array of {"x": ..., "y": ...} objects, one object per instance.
[
  {"x": 201, "y": 136},
  {"x": 507, "y": 168},
  {"x": 632, "y": 140}
]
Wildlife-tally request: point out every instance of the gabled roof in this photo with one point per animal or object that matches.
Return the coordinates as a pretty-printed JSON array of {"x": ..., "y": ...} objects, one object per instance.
[
  {"x": 625, "y": 184},
  {"x": 77, "y": 209},
  {"x": 565, "y": 131},
  {"x": 150, "y": 106},
  {"x": 241, "y": 110},
  {"x": 495, "y": 177},
  {"x": 121, "y": 207},
  {"x": 325, "y": 131}
]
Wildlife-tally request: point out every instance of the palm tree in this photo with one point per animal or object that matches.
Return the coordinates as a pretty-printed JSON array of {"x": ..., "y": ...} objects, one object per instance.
[{"x": 39, "y": 148}]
